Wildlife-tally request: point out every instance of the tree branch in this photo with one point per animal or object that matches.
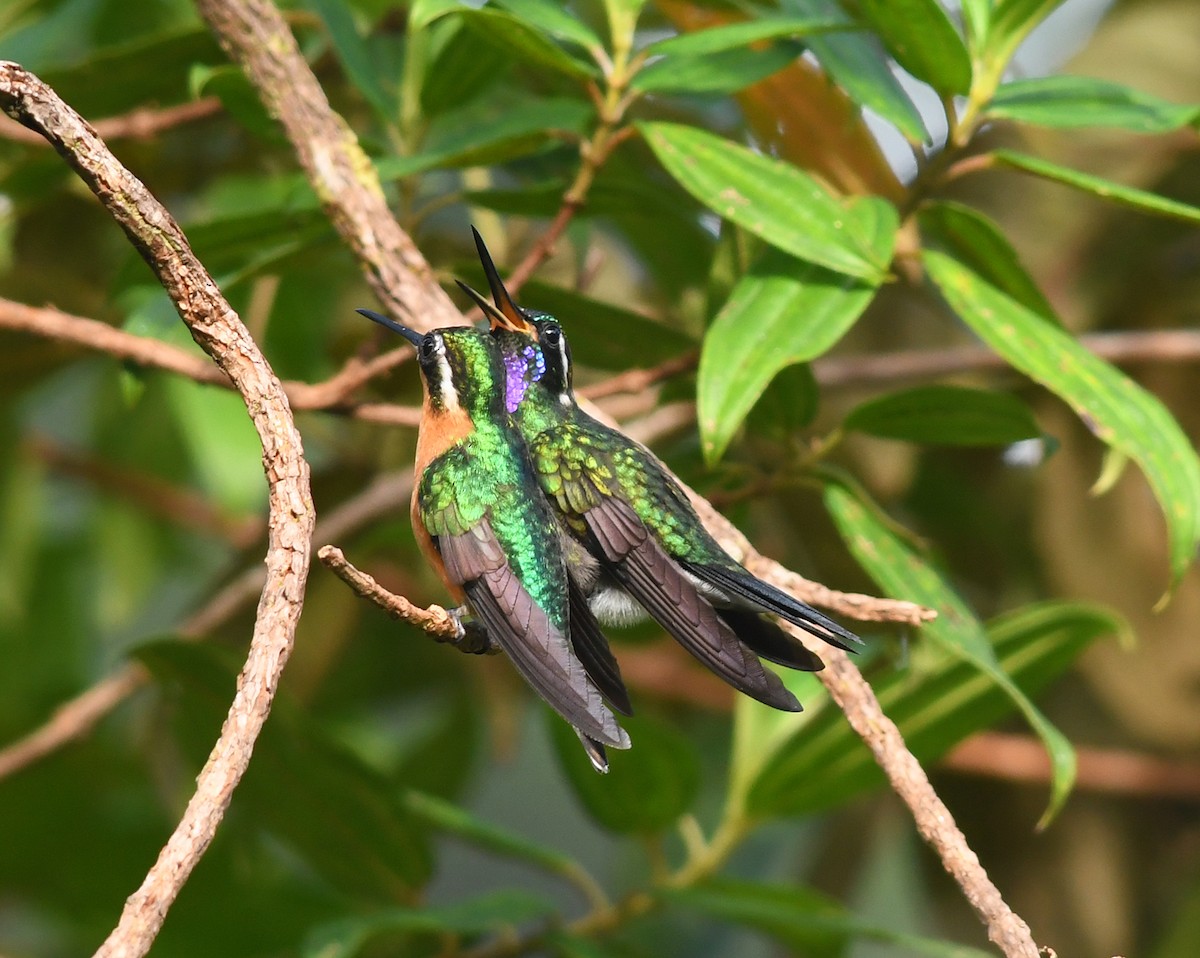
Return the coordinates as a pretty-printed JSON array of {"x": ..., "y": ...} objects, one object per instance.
[
  {"x": 139, "y": 124},
  {"x": 255, "y": 36},
  {"x": 219, "y": 331}
]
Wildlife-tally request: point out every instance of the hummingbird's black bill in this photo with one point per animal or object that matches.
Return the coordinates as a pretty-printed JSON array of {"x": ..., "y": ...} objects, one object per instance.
[
  {"x": 410, "y": 334},
  {"x": 496, "y": 318},
  {"x": 507, "y": 313}
]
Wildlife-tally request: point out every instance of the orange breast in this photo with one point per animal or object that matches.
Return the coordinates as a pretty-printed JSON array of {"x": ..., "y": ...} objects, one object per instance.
[{"x": 440, "y": 429}]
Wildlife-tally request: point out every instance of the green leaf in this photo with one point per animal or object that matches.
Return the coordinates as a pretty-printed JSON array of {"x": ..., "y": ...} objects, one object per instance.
[
  {"x": 551, "y": 18},
  {"x": 782, "y": 312},
  {"x": 1106, "y": 189},
  {"x": 467, "y": 137},
  {"x": 903, "y": 574},
  {"x": 1013, "y": 20},
  {"x": 356, "y": 59},
  {"x": 1115, "y": 408},
  {"x": 823, "y": 763},
  {"x": 463, "y": 67},
  {"x": 725, "y": 72},
  {"x": 974, "y": 239},
  {"x": 647, "y": 787},
  {"x": 923, "y": 40},
  {"x": 601, "y": 333},
  {"x": 1071, "y": 101},
  {"x": 521, "y": 41},
  {"x": 803, "y": 919},
  {"x": 423, "y": 12},
  {"x": 858, "y": 64},
  {"x": 946, "y": 415},
  {"x": 787, "y": 405},
  {"x": 454, "y": 820},
  {"x": 498, "y": 913},
  {"x": 748, "y": 189},
  {"x": 736, "y": 35},
  {"x": 334, "y": 811}
]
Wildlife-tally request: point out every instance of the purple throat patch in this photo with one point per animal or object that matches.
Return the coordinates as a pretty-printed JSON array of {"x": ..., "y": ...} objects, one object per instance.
[{"x": 522, "y": 369}]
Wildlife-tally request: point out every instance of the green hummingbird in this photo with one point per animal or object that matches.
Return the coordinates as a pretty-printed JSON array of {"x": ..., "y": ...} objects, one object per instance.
[
  {"x": 496, "y": 546},
  {"x": 636, "y": 542}
]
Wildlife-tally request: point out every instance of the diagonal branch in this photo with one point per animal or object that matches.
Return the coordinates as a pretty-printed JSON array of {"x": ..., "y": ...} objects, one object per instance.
[
  {"x": 219, "y": 331},
  {"x": 255, "y": 36}
]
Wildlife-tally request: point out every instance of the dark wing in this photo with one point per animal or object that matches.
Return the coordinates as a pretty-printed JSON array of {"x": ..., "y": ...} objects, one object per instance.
[
  {"x": 738, "y": 583},
  {"x": 538, "y": 650},
  {"x": 655, "y": 580},
  {"x": 770, "y": 641},
  {"x": 591, "y": 646}
]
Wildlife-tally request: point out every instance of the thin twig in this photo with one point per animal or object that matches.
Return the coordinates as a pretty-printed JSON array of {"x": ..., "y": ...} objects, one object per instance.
[
  {"x": 1022, "y": 758},
  {"x": 435, "y": 620},
  {"x": 253, "y": 34},
  {"x": 217, "y": 328},
  {"x": 332, "y": 395},
  {"x": 636, "y": 380},
  {"x": 139, "y": 124}
]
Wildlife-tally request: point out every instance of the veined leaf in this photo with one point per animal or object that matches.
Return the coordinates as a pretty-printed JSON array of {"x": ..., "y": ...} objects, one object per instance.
[
  {"x": 462, "y": 139},
  {"x": 724, "y": 72},
  {"x": 733, "y": 36},
  {"x": 773, "y": 200},
  {"x": 1106, "y": 189},
  {"x": 521, "y": 40},
  {"x": 1071, "y": 101},
  {"x": 803, "y": 919},
  {"x": 974, "y": 239},
  {"x": 823, "y": 763},
  {"x": 780, "y": 313},
  {"x": 946, "y": 415},
  {"x": 923, "y": 40},
  {"x": 903, "y": 574},
  {"x": 551, "y": 18},
  {"x": 1115, "y": 408},
  {"x": 858, "y": 64}
]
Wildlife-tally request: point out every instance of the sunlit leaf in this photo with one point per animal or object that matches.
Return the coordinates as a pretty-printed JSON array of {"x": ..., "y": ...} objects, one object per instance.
[
  {"x": 735, "y": 35},
  {"x": 782, "y": 312},
  {"x": 724, "y": 72},
  {"x": 1106, "y": 189},
  {"x": 521, "y": 40},
  {"x": 946, "y": 415},
  {"x": 748, "y": 189},
  {"x": 823, "y": 763},
  {"x": 551, "y": 18},
  {"x": 904, "y": 574},
  {"x": 972, "y": 238},
  {"x": 923, "y": 40},
  {"x": 1071, "y": 101},
  {"x": 1115, "y": 408},
  {"x": 857, "y": 63}
]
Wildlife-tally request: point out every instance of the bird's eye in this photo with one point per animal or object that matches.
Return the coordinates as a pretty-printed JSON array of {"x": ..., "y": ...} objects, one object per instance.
[
  {"x": 551, "y": 334},
  {"x": 429, "y": 349}
]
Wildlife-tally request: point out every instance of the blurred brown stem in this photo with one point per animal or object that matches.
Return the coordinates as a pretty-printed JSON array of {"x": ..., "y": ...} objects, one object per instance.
[{"x": 139, "y": 124}]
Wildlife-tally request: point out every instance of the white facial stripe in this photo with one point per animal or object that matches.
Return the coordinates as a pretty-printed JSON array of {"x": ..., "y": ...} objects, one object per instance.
[
  {"x": 565, "y": 362},
  {"x": 446, "y": 378}
]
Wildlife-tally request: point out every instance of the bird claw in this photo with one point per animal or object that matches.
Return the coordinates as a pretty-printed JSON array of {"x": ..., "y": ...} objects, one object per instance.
[{"x": 472, "y": 638}]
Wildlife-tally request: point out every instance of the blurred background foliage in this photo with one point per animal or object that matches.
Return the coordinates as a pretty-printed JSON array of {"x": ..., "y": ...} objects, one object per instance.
[{"x": 406, "y": 800}]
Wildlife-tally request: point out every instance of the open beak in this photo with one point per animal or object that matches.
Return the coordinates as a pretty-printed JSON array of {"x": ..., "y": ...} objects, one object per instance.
[
  {"x": 410, "y": 334},
  {"x": 506, "y": 314},
  {"x": 494, "y": 316}
]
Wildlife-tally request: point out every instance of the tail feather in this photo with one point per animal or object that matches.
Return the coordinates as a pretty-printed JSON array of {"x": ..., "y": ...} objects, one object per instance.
[
  {"x": 770, "y": 641},
  {"x": 591, "y": 648},
  {"x": 764, "y": 597}
]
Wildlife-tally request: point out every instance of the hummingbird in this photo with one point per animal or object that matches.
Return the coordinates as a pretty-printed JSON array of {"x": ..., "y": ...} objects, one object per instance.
[
  {"x": 637, "y": 542},
  {"x": 494, "y": 545}
]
